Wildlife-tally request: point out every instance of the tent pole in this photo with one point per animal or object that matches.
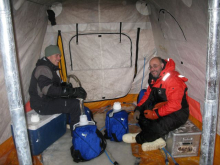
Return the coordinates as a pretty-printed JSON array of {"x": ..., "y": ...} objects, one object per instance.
[
  {"x": 212, "y": 86},
  {"x": 8, "y": 52}
]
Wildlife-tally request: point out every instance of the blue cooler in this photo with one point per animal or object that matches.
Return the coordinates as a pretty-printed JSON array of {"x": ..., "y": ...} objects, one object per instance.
[{"x": 44, "y": 130}]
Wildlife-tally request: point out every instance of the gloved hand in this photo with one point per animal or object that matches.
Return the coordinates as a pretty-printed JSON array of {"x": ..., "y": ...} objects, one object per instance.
[
  {"x": 150, "y": 114},
  {"x": 65, "y": 84},
  {"x": 66, "y": 91},
  {"x": 158, "y": 105},
  {"x": 78, "y": 92},
  {"x": 136, "y": 115}
]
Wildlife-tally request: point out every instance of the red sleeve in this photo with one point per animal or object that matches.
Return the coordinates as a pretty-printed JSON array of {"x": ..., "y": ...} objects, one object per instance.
[
  {"x": 175, "y": 89},
  {"x": 145, "y": 97}
]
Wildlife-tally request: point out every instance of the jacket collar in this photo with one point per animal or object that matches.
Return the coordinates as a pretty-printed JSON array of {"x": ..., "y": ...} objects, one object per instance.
[{"x": 47, "y": 62}]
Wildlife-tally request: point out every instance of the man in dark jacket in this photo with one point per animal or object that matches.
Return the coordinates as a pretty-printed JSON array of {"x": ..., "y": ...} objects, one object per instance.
[
  {"x": 47, "y": 94},
  {"x": 163, "y": 107}
]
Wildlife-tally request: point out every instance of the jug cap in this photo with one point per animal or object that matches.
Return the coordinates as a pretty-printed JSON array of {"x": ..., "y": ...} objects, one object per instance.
[{"x": 116, "y": 106}]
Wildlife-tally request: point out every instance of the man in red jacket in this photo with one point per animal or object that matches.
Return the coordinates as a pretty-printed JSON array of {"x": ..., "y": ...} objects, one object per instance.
[{"x": 163, "y": 107}]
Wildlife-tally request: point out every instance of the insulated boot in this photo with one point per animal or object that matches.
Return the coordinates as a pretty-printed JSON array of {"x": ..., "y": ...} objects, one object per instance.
[
  {"x": 157, "y": 144},
  {"x": 129, "y": 137}
]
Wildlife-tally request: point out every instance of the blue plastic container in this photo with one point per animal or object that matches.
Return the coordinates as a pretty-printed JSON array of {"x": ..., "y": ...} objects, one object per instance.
[
  {"x": 116, "y": 125},
  {"x": 45, "y": 132}
]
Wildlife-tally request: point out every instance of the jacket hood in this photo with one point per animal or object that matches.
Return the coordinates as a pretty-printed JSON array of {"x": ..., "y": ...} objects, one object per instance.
[{"x": 170, "y": 67}]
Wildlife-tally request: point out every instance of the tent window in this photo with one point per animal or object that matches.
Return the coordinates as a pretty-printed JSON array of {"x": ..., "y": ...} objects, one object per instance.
[{"x": 100, "y": 51}]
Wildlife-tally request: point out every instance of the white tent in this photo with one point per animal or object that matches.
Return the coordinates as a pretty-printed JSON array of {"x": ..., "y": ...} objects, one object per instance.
[{"x": 108, "y": 44}]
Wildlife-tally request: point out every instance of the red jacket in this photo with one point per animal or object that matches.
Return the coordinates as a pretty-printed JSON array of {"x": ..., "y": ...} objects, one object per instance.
[{"x": 170, "y": 87}]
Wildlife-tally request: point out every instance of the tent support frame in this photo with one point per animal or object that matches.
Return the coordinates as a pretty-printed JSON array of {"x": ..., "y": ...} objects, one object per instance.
[
  {"x": 212, "y": 86},
  {"x": 8, "y": 52}
]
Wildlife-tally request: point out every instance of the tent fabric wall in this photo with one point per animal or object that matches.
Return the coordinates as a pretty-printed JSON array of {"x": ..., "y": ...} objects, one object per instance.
[
  {"x": 30, "y": 22},
  {"x": 189, "y": 54},
  {"x": 187, "y": 45},
  {"x": 103, "y": 64},
  {"x": 188, "y": 48}
]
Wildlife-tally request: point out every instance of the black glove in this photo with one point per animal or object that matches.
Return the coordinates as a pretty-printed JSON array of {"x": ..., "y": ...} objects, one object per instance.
[
  {"x": 78, "y": 92},
  {"x": 66, "y": 91},
  {"x": 65, "y": 84}
]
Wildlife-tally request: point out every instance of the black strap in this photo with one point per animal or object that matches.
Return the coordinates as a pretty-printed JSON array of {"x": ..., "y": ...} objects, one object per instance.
[
  {"x": 103, "y": 143},
  {"x": 77, "y": 34},
  {"x": 114, "y": 137},
  {"x": 106, "y": 135},
  {"x": 184, "y": 102},
  {"x": 77, "y": 157},
  {"x": 120, "y": 30},
  {"x": 137, "y": 45}
]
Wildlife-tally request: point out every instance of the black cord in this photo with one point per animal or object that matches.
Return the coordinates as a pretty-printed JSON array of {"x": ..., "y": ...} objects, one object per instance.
[{"x": 162, "y": 10}]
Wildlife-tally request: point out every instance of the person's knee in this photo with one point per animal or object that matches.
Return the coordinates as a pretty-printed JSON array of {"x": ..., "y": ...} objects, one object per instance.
[
  {"x": 73, "y": 101},
  {"x": 73, "y": 104}
]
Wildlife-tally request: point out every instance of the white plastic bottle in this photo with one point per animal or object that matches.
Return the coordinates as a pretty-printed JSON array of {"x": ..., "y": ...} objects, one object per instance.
[{"x": 116, "y": 108}]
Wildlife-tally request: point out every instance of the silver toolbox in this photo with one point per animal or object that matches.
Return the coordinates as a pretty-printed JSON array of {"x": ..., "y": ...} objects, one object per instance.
[{"x": 184, "y": 141}]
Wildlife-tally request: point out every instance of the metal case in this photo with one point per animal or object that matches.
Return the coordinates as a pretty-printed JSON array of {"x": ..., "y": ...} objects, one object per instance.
[{"x": 184, "y": 141}]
